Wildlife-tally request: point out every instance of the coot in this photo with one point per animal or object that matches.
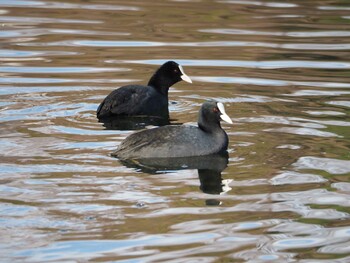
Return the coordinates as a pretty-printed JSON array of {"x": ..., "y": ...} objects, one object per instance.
[
  {"x": 180, "y": 141},
  {"x": 150, "y": 100}
]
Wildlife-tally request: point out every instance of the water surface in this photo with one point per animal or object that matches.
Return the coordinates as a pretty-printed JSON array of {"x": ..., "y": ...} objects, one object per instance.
[{"x": 282, "y": 70}]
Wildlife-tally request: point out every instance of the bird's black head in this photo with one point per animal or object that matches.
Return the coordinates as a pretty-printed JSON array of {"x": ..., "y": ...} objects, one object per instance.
[
  {"x": 210, "y": 115},
  {"x": 167, "y": 75}
]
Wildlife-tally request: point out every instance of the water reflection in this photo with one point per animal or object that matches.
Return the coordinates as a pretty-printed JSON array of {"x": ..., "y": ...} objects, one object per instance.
[
  {"x": 305, "y": 34},
  {"x": 43, "y": 4},
  {"x": 283, "y": 66},
  {"x": 133, "y": 123},
  {"x": 250, "y": 64},
  {"x": 209, "y": 169},
  {"x": 260, "y": 3},
  {"x": 332, "y": 166},
  {"x": 138, "y": 44},
  {"x": 58, "y": 70},
  {"x": 40, "y": 20}
]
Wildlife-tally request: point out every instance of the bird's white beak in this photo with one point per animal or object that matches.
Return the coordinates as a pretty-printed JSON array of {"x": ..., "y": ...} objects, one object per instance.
[
  {"x": 184, "y": 76},
  {"x": 223, "y": 115}
]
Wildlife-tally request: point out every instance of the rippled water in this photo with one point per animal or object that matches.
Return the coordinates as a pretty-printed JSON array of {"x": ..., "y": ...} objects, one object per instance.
[{"x": 281, "y": 68}]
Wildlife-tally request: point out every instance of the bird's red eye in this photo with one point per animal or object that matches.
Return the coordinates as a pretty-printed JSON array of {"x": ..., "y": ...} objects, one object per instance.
[{"x": 215, "y": 110}]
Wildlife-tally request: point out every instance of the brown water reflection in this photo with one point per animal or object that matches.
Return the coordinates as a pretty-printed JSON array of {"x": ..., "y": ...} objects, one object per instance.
[{"x": 281, "y": 68}]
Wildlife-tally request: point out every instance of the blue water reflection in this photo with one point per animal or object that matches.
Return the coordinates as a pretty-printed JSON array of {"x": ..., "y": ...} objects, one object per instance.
[{"x": 253, "y": 64}]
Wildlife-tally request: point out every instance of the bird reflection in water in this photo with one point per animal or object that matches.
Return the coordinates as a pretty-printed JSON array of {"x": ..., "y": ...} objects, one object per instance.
[
  {"x": 209, "y": 169},
  {"x": 124, "y": 123}
]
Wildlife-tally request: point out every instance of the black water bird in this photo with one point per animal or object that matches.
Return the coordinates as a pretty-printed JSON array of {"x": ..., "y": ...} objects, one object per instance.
[
  {"x": 140, "y": 100},
  {"x": 182, "y": 140}
]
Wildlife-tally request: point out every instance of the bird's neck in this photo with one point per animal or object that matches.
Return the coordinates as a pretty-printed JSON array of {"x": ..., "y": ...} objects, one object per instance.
[{"x": 160, "y": 84}]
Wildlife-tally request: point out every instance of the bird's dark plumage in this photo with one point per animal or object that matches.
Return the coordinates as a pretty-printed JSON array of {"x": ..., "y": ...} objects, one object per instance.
[
  {"x": 180, "y": 141},
  {"x": 139, "y": 100}
]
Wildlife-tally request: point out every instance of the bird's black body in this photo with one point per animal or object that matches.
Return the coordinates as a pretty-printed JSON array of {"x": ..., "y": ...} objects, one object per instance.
[{"x": 133, "y": 100}]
